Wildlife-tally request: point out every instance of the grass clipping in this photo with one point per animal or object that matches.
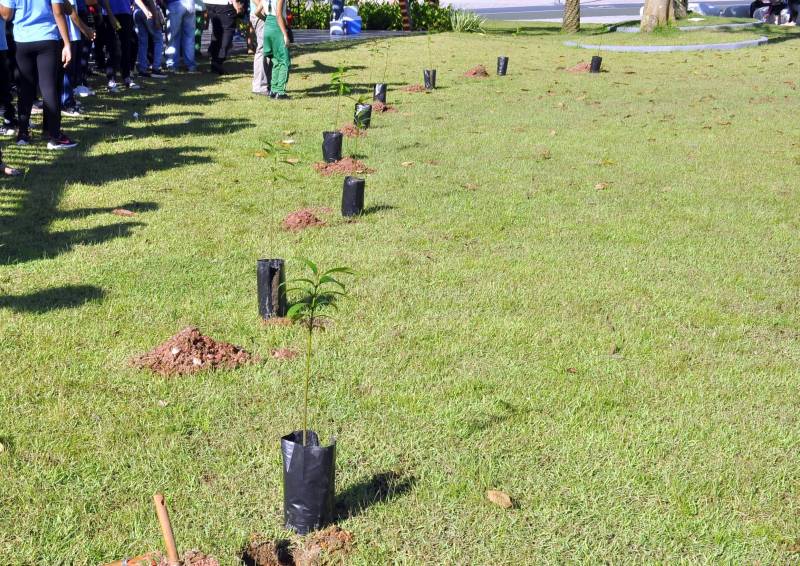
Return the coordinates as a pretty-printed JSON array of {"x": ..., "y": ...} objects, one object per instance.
[{"x": 189, "y": 351}]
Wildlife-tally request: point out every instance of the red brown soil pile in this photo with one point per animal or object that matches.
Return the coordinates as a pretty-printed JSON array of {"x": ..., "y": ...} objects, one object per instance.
[
  {"x": 329, "y": 546},
  {"x": 478, "y": 72},
  {"x": 581, "y": 67},
  {"x": 380, "y": 107},
  {"x": 283, "y": 354},
  {"x": 123, "y": 212},
  {"x": 301, "y": 219},
  {"x": 351, "y": 131},
  {"x": 346, "y": 166},
  {"x": 189, "y": 351},
  {"x": 413, "y": 88},
  {"x": 191, "y": 558}
]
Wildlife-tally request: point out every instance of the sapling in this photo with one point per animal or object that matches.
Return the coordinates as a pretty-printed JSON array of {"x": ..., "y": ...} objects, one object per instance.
[
  {"x": 279, "y": 154},
  {"x": 317, "y": 293},
  {"x": 341, "y": 88}
]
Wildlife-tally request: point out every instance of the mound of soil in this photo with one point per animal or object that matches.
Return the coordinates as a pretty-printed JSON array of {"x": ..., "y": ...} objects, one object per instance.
[
  {"x": 197, "y": 558},
  {"x": 123, "y": 212},
  {"x": 351, "y": 131},
  {"x": 478, "y": 72},
  {"x": 581, "y": 67},
  {"x": 413, "y": 88},
  {"x": 301, "y": 219},
  {"x": 380, "y": 107},
  {"x": 346, "y": 166},
  {"x": 189, "y": 351},
  {"x": 329, "y": 546}
]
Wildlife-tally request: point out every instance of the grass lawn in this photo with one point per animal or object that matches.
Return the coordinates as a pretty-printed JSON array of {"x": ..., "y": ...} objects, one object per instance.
[{"x": 624, "y": 361}]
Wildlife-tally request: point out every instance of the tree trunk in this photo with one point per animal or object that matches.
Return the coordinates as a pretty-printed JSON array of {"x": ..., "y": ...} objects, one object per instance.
[
  {"x": 572, "y": 16},
  {"x": 406, "y": 14},
  {"x": 657, "y": 13},
  {"x": 681, "y": 8}
]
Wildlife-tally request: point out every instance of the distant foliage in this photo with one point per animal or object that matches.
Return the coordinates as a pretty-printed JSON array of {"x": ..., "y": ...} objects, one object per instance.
[
  {"x": 315, "y": 14},
  {"x": 424, "y": 16},
  {"x": 464, "y": 21}
]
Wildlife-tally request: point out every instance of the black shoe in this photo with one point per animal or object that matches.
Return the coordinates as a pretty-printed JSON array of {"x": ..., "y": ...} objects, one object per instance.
[
  {"x": 216, "y": 67},
  {"x": 280, "y": 96}
]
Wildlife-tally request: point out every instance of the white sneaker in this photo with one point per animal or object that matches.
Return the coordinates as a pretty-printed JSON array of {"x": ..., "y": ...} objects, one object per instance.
[
  {"x": 113, "y": 86},
  {"x": 130, "y": 85},
  {"x": 83, "y": 91}
]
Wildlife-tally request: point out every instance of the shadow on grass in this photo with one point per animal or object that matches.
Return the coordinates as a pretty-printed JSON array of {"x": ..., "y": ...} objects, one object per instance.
[
  {"x": 379, "y": 488},
  {"x": 376, "y": 208},
  {"x": 68, "y": 296}
]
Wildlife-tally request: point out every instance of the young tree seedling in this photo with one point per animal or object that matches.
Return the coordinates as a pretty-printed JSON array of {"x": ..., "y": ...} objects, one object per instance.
[{"x": 315, "y": 294}]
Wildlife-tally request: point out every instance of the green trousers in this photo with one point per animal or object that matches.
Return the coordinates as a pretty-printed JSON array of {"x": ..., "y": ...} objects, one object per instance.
[{"x": 276, "y": 49}]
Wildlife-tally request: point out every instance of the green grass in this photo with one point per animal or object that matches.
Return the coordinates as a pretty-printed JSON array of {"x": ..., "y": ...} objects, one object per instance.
[{"x": 477, "y": 351}]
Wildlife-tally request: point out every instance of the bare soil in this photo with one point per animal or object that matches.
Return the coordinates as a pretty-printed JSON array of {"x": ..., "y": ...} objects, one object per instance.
[
  {"x": 284, "y": 353},
  {"x": 191, "y": 558},
  {"x": 351, "y": 131},
  {"x": 329, "y": 546},
  {"x": 413, "y": 88},
  {"x": 189, "y": 351},
  {"x": 380, "y": 107},
  {"x": 123, "y": 212},
  {"x": 302, "y": 219},
  {"x": 582, "y": 67},
  {"x": 346, "y": 166},
  {"x": 478, "y": 72}
]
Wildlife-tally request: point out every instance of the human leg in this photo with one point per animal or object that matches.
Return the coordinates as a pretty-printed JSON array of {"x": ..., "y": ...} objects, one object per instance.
[{"x": 260, "y": 84}]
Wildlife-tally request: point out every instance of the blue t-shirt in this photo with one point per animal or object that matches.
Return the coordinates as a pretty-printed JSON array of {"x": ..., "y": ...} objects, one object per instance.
[
  {"x": 120, "y": 6},
  {"x": 3, "y": 42},
  {"x": 33, "y": 20}
]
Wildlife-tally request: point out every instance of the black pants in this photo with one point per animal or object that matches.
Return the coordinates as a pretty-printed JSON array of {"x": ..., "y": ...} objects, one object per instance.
[
  {"x": 9, "y": 112},
  {"x": 40, "y": 60},
  {"x": 223, "y": 24},
  {"x": 117, "y": 44}
]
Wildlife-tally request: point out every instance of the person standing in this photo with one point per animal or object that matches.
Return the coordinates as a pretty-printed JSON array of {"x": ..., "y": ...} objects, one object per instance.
[
  {"x": 149, "y": 25},
  {"x": 38, "y": 26},
  {"x": 119, "y": 35},
  {"x": 276, "y": 44},
  {"x": 262, "y": 67},
  {"x": 72, "y": 72},
  {"x": 181, "y": 34},
  {"x": 9, "y": 123},
  {"x": 222, "y": 15}
]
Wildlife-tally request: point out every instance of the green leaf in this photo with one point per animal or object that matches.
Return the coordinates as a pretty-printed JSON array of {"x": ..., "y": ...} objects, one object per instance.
[
  {"x": 311, "y": 265},
  {"x": 327, "y": 279},
  {"x": 346, "y": 270},
  {"x": 297, "y": 311}
]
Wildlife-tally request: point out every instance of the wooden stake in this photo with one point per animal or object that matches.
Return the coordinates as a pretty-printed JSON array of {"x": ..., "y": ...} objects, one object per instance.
[{"x": 166, "y": 529}]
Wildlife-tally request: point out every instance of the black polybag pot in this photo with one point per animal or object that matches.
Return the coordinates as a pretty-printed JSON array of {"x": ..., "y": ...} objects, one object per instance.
[
  {"x": 331, "y": 146},
  {"x": 379, "y": 93},
  {"x": 362, "y": 116},
  {"x": 271, "y": 291},
  {"x": 502, "y": 66},
  {"x": 429, "y": 76},
  {"x": 596, "y": 62},
  {"x": 353, "y": 196},
  {"x": 309, "y": 482}
]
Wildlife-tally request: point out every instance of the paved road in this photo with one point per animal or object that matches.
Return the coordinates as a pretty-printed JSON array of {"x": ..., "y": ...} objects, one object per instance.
[{"x": 597, "y": 10}]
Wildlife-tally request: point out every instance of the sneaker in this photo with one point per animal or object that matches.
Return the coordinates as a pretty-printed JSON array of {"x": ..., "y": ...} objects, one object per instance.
[
  {"x": 7, "y": 130},
  {"x": 113, "y": 86},
  {"x": 23, "y": 138},
  {"x": 157, "y": 74},
  {"x": 280, "y": 96},
  {"x": 193, "y": 71},
  {"x": 143, "y": 74},
  {"x": 130, "y": 85},
  {"x": 71, "y": 111},
  {"x": 83, "y": 91},
  {"x": 38, "y": 107},
  {"x": 63, "y": 142}
]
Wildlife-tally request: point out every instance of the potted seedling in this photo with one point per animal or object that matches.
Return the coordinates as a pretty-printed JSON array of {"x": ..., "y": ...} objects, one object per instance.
[
  {"x": 362, "y": 115},
  {"x": 429, "y": 74},
  {"x": 502, "y": 66},
  {"x": 332, "y": 140},
  {"x": 279, "y": 156},
  {"x": 309, "y": 469},
  {"x": 271, "y": 288},
  {"x": 379, "y": 92},
  {"x": 353, "y": 196}
]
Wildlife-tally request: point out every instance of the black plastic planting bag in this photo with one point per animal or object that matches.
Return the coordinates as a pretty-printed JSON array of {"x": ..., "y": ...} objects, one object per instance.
[
  {"x": 502, "y": 66},
  {"x": 271, "y": 291},
  {"x": 331, "y": 146},
  {"x": 352, "y": 196},
  {"x": 309, "y": 482},
  {"x": 362, "y": 116},
  {"x": 379, "y": 93},
  {"x": 595, "y": 66},
  {"x": 429, "y": 76}
]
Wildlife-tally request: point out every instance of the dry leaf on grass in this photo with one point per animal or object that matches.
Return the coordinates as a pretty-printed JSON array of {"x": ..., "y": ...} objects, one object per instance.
[
  {"x": 123, "y": 212},
  {"x": 292, "y": 160},
  {"x": 407, "y": 163},
  {"x": 499, "y": 498},
  {"x": 602, "y": 186}
]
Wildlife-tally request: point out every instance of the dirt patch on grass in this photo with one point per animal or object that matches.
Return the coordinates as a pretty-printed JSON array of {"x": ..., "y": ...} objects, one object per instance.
[
  {"x": 277, "y": 321},
  {"x": 380, "y": 107},
  {"x": 189, "y": 351},
  {"x": 301, "y": 219},
  {"x": 478, "y": 72},
  {"x": 351, "y": 131},
  {"x": 283, "y": 354},
  {"x": 197, "y": 558},
  {"x": 328, "y": 546},
  {"x": 346, "y": 166},
  {"x": 413, "y": 88},
  {"x": 581, "y": 67}
]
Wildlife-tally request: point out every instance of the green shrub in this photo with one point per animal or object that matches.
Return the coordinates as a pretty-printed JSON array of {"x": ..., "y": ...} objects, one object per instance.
[
  {"x": 429, "y": 17},
  {"x": 317, "y": 15},
  {"x": 465, "y": 21},
  {"x": 375, "y": 15},
  {"x": 424, "y": 16}
]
